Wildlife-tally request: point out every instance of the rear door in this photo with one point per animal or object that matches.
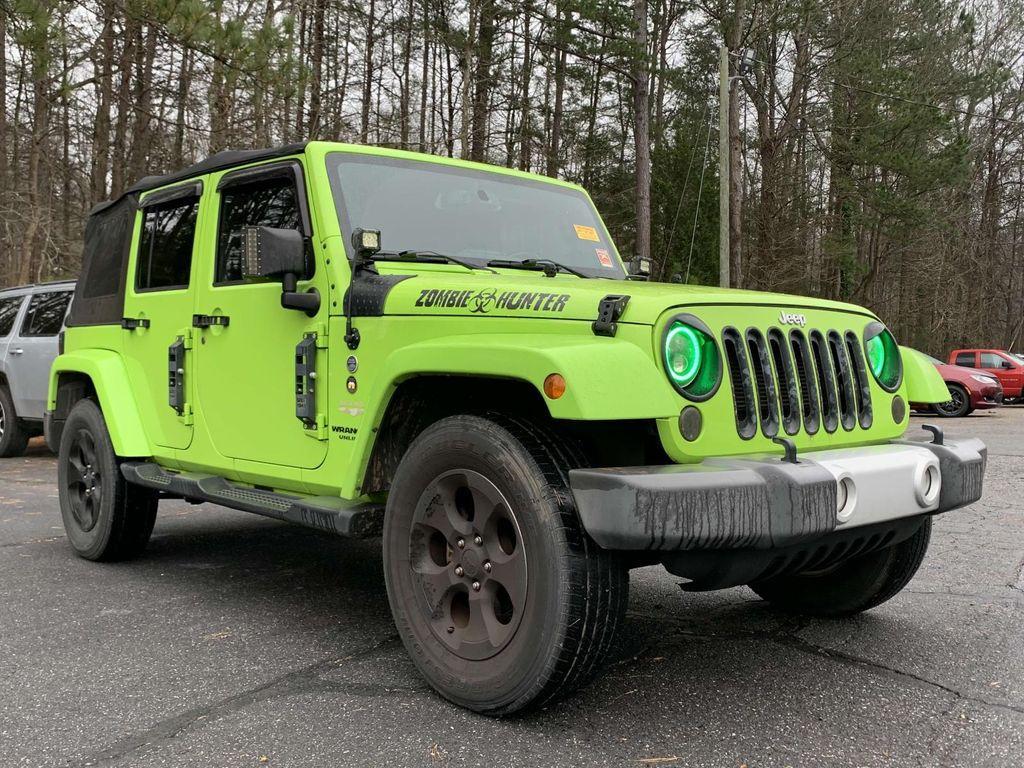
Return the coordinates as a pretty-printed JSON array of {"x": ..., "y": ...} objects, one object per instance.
[
  {"x": 30, "y": 352},
  {"x": 158, "y": 311}
]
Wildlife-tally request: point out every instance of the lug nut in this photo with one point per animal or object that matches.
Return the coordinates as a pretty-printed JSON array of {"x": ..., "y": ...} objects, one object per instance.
[
  {"x": 461, "y": 543},
  {"x": 478, "y": 540},
  {"x": 476, "y": 586},
  {"x": 487, "y": 567},
  {"x": 450, "y": 630},
  {"x": 458, "y": 570}
]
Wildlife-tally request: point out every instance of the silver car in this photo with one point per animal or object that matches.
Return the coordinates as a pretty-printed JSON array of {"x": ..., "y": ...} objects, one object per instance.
[{"x": 31, "y": 319}]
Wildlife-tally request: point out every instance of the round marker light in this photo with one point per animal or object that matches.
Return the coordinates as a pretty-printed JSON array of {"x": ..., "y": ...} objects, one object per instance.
[{"x": 554, "y": 386}]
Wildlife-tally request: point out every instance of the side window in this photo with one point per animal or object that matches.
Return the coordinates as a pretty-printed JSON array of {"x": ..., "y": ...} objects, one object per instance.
[
  {"x": 45, "y": 314},
  {"x": 966, "y": 359},
  {"x": 991, "y": 360},
  {"x": 165, "y": 245},
  {"x": 264, "y": 203},
  {"x": 8, "y": 313}
]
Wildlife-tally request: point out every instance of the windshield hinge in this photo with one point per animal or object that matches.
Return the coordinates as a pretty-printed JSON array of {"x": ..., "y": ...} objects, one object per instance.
[{"x": 608, "y": 313}]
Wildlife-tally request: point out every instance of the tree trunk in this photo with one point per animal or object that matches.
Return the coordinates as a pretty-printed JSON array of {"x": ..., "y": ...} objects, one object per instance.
[
  {"x": 364, "y": 127},
  {"x": 641, "y": 136},
  {"x": 555, "y": 144},
  {"x": 735, "y": 157},
  {"x": 316, "y": 84},
  {"x": 481, "y": 96},
  {"x": 524, "y": 95},
  {"x": 104, "y": 95}
]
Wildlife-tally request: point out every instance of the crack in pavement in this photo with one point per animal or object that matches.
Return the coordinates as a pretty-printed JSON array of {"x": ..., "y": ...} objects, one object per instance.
[
  {"x": 785, "y": 634},
  {"x": 298, "y": 680},
  {"x": 799, "y": 644}
]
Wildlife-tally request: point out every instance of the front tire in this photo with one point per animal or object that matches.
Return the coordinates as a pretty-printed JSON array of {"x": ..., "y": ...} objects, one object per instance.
[
  {"x": 13, "y": 437},
  {"x": 501, "y": 599},
  {"x": 105, "y": 517},
  {"x": 959, "y": 403},
  {"x": 852, "y": 587}
]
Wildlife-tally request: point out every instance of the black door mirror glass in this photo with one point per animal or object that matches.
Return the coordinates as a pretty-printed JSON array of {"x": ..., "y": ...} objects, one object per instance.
[{"x": 272, "y": 252}]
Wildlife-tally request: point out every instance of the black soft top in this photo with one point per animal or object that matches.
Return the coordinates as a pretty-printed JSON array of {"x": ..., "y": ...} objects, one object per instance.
[{"x": 99, "y": 295}]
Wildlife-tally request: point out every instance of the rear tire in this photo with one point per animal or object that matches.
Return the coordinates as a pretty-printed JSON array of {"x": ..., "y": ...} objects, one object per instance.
[
  {"x": 13, "y": 436},
  {"x": 105, "y": 517},
  {"x": 958, "y": 405},
  {"x": 854, "y": 586},
  {"x": 501, "y": 599}
]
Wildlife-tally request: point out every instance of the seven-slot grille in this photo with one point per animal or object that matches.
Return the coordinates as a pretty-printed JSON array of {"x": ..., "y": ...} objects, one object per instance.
[{"x": 784, "y": 381}]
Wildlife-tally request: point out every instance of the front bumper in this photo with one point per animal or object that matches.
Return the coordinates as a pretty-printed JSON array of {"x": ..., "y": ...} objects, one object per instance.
[{"x": 767, "y": 503}]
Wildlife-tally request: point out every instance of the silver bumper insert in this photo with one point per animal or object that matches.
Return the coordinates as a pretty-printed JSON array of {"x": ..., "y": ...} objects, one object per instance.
[{"x": 765, "y": 503}]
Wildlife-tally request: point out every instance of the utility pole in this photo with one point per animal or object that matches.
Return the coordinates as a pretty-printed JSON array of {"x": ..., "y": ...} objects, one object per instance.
[{"x": 724, "y": 179}]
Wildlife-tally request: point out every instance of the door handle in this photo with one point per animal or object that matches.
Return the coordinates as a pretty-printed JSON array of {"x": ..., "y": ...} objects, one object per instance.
[
  {"x": 131, "y": 323},
  {"x": 205, "y": 321},
  {"x": 18, "y": 351}
]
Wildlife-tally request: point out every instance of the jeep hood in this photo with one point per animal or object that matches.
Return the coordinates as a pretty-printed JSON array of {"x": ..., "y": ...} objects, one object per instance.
[{"x": 515, "y": 293}]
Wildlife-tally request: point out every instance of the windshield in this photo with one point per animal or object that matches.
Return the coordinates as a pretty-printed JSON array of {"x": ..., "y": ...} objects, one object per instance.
[{"x": 477, "y": 216}]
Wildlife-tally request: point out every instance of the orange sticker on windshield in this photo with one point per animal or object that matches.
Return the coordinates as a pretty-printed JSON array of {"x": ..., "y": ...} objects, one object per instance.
[
  {"x": 586, "y": 233},
  {"x": 604, "y": 257}
]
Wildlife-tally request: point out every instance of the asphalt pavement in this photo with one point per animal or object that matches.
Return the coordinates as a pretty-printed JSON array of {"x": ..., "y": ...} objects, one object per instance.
[{"x": 240, "y": 641}]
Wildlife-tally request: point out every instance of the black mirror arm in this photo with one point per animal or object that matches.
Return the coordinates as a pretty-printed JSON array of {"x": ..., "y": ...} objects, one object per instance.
[{"x": 291, "y": 298}]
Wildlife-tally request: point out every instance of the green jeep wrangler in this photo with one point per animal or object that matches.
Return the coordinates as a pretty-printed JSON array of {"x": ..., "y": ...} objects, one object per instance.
[{"x": 451, "y": 355}]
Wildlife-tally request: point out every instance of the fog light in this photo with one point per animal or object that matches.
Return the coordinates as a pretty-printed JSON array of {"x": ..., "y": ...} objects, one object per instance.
[
  {"x": 554, "y": 386},
  {"x": 846, "y": 498},
  {"x": 928, "y": 484}
]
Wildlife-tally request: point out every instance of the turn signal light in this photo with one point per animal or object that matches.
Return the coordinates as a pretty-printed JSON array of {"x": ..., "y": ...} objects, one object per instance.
[{"x": 554, "y": 386}]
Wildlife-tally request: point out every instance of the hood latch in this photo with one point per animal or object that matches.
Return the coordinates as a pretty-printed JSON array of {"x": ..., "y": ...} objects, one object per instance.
[{"x": 608, "y": 313}]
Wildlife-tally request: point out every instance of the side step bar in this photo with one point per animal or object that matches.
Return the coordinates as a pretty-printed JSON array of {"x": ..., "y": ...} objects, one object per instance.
[{"x": 325, "y": 513}]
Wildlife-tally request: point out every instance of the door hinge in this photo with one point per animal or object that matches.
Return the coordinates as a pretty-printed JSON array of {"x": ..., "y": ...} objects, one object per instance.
[
  {"x": 608, "y": 313},
  {"x": 306, "y": 386},
  {"x": 176, "y": 375}
]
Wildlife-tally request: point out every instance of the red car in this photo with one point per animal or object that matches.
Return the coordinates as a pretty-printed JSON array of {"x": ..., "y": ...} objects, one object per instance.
[
  {"x": 969, "y": 390},
  {"x": 998, "y": 363}
]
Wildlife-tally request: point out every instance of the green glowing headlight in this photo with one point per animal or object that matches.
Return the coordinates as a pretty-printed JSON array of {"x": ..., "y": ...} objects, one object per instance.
[
  {"x": 883, "y": 356},
  {"x": 691, "y": 359},
  {"x": 682, "y": 354}
]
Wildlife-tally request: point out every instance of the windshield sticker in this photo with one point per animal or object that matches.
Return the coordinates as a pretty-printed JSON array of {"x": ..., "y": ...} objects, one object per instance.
[
  {"x": 604, "y": 257},
  {"x": 484, "y": 301},
  {"x": 586, "y": 233}
]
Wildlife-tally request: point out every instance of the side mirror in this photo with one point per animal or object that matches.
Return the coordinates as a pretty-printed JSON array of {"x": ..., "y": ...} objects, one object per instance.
[
  {"x": 272, "y": 252},
  {"x": 639, "y": 269},
  {"x": 1007, "y": 366}
]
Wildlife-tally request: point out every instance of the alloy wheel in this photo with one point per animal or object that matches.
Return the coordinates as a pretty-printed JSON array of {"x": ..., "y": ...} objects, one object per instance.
[
  {"x": 85, "y": 483},
  {"x": 468, "y": 563}
]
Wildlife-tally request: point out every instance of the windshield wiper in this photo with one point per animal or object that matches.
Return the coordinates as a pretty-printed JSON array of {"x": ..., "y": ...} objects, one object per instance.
[
  {"x": 549, "y": 267},
  {"x": 426, "y": 257}
]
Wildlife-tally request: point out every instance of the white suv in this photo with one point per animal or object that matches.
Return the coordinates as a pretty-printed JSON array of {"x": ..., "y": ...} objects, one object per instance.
[{"x": 31, "y": 319}]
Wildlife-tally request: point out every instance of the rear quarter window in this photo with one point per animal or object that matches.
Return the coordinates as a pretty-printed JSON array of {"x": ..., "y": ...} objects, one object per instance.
[
  {"x": 965, "y": 359},
  {"x": 45, "y": 314},
  {"x": 9, "y": 307}
]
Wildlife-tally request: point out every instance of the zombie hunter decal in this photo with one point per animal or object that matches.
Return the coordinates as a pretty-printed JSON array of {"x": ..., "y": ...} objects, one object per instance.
[{"x": 484, "y": 301}]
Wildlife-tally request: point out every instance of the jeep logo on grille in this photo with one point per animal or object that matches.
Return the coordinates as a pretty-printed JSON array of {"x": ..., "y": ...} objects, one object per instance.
[{"x": 792, "y": 318}]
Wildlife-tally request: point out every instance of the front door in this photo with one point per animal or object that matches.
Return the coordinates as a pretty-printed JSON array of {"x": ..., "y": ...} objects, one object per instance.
[
  {"x": 246, "y": 343},
  {"x": 158, "y": 312},
  {"x": 1009, "y": 372},
  {"x": 31, "y": 351}
]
